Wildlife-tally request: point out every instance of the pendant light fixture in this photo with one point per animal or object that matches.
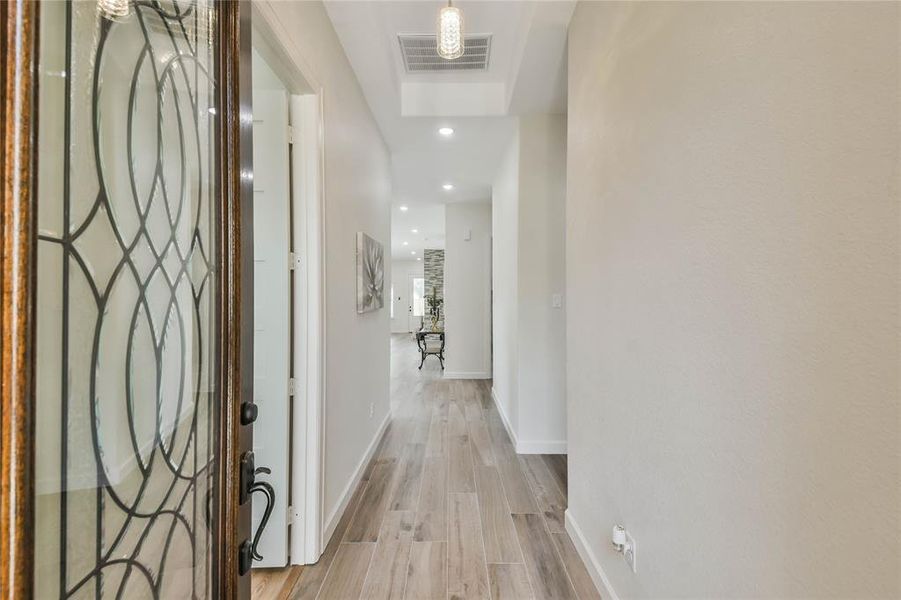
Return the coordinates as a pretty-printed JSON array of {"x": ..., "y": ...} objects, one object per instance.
[{"x": 450, "y": 32}]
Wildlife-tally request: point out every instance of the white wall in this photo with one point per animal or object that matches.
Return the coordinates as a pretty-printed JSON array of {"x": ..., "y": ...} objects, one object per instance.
[
  {"x": 467, "y": 290},
  {"x": 732, "y": 275},
  {"x": 401, "y": 272},
  {"x": 530, "y": 334},
  {"x": 357, "y": 198},
  {"x": 505, "y": 243},
  {"x": 542, "y": 273}
]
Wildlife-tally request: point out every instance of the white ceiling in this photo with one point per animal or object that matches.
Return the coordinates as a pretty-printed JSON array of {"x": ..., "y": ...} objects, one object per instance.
[
  {"x": 526, "y": 74},
  {"x": 426, "y": 219}
]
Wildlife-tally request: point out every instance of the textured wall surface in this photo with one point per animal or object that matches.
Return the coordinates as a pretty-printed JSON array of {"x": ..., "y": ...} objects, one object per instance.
[
  {"x": 433, "y": 267},
  {"x": 529, "y": 342},
  {"x": 468, "y": 289},
  {"x": 733, "y": 296},
  {"x": 504, "y": 271},
  {"x": 541, "y": 273}
]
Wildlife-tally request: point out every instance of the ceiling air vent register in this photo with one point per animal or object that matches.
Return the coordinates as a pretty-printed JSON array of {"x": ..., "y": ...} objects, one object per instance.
[{"x": 420, "y": 54}]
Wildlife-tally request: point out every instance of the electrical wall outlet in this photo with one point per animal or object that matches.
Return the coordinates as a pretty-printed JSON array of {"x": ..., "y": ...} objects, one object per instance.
[
  {"x": 371, "y": 409},
  {"x": 629, "y": 552}
]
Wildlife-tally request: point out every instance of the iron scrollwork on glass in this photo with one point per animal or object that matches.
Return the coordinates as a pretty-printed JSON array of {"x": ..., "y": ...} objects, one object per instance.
[{"x": 126, "y": 300}]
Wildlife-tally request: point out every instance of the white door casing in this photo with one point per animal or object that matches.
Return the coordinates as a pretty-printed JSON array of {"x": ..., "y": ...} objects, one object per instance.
[{"x": 309, "y": 330}]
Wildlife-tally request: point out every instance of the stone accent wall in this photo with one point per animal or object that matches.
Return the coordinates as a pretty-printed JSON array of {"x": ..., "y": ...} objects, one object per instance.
[{"x": 433, "y": 267}]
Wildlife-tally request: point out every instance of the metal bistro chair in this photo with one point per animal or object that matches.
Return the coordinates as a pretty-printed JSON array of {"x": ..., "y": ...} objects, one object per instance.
[{"x": 430, "y": 343}]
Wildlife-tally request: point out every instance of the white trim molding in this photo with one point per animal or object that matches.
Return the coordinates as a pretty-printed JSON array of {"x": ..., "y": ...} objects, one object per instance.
[
  {"x": 504, "y": 419},
  {"x": 526, "y": 446},
  {"x": 332, "y": 521},
  {"x": 309, "y": 330},
  {"x": 467, "y": 375},
  {"x": 598, "y": 577},
  {"x": 541, "y": 447}
]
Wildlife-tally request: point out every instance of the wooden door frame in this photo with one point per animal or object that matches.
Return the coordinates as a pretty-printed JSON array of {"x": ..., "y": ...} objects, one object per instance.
[
  {"x": 18, "y": 235},
  {"x": 19, "y": 29},
  {"x": 233, "y": 520}
]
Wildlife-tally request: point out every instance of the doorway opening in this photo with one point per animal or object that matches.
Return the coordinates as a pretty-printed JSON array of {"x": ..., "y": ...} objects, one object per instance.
[
  {"x": 288, "y": 294},
  {"x": 417, "y": 287}
]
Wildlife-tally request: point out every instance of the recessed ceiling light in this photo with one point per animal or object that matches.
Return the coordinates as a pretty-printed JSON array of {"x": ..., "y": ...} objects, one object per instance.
[
  {"x": 403, "y": 209},
  {"x": 406, "y": 243},
  {"x": 417, "y": 258},
  {"x": 446, "y": 131},
  {"x": 414, "y": 231},
  {"x": 413, "y": 252},
  {"x": 448, "y": 186}
]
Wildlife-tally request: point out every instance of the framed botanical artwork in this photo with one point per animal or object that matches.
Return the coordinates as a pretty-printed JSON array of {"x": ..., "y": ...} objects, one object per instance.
[{"x": 370, "y": 274}]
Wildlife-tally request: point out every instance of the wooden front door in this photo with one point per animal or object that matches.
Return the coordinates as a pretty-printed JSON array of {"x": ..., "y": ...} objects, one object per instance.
[{"x": 127, "y": 306}]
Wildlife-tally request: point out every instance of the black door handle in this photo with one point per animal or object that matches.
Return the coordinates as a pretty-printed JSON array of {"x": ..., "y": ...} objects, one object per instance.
[{"x": 268, "y": 492}]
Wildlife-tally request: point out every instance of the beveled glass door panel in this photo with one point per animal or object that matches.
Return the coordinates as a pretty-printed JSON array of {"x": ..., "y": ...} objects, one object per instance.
[{"x": 127, "y": 394}]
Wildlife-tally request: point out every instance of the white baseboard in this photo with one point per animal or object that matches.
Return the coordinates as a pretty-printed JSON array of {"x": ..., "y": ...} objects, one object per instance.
[
  {"x": 527, "y": 446},
  {"x": 467, "y": 375},
  {"x": 541, "y": 447},
  {"x": 332, "y": 521},
  {"x": 600, "y": 579},
  {"x": 504, "y": 419}
]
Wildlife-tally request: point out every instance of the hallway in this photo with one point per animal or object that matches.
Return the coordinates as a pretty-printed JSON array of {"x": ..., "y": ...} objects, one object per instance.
[{"x": 446, "y": 508}]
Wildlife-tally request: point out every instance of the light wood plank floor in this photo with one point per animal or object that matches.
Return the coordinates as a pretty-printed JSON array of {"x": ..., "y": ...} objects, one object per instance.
[
  {"x": 447, "y": 509},
  {"x": 273, "y": 584}
]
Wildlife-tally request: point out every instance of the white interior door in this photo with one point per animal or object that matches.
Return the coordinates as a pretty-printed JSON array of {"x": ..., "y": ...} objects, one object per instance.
[
  {"x": 272, "y": 314},
  {"x": 417, "y": 301},
  {"x": 400, "y": 298}
]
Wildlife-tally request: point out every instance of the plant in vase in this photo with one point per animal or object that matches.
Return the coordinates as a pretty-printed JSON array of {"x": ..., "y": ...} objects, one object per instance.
[{"x": 434, "y": 303}]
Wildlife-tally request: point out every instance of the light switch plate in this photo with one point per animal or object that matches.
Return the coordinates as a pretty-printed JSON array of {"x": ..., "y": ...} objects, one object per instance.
[{"x": 557, "y": 301}]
